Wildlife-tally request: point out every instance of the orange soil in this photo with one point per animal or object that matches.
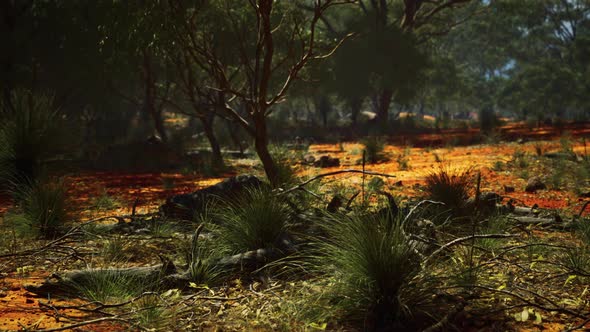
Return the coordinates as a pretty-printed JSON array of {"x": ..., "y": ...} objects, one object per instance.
[{"x": 18, "y": 308}]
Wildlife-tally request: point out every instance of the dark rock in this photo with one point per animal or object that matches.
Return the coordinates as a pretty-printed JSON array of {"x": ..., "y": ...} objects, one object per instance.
[
  {"x": 561, "y": 155},
  {"x": 186, "y": 205},
  {"x": 327, "y": 161},
  {"x": 508, "y": 189},
  {"x": 534, "y": 184},
  {"x": 399, "y": 183}
]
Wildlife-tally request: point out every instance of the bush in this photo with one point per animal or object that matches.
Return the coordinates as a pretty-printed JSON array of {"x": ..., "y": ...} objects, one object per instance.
[
  {"x": 451, "y": 189},
  {"x": 374, "y": 264},
  {"x": 42, "y": 211},
  {"x": 30, "y": 133},
  {"x": 373, "y": 149},
  {"x": 283, "y": 159},
  {"x": 258, "y": 220},
  {"x": 110, "y": 286},
  {"x": 202, "y": 261}
]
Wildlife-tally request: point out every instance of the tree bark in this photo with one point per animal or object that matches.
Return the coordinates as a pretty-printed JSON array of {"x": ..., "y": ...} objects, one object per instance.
[
  {"x": 150, "y": 97},
  {"x": 216, "y": 158},
  {"x": 383, "y": 101},
  {"x": 261, "y": 145}
]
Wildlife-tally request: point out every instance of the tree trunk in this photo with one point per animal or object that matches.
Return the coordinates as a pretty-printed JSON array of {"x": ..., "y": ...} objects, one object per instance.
[
  {"x": 355, "y": 109},
  {"x": 150, "y": 97},
  {"x": 261, "y": 145},
  {"x": 216, "y": 158},
  {"x": 383, "y": 101}
]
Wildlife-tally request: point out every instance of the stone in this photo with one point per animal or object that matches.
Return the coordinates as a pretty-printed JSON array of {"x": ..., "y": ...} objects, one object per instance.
[
  {"x": 185, "y": 206},
  {"x": 327, "y": 161},
  {"x": 534, "y": 184}
]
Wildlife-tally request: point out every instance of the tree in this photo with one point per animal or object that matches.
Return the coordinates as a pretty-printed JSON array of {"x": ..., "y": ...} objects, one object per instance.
[{"x": 264, "y": 70}]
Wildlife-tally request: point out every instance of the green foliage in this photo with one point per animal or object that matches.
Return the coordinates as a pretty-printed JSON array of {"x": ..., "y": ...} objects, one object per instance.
[
  {"x": 113, "y": 249},
  {"x": 105, "y": 201},
  {"x": 42, "y": 212},
  {"x": 259, "y": 219},
  {"x": 110, "y": 286},
  {"x": 202, "y": 259},
  {"x": 494, "y": 225},
  {"x": 373, "y": 149},
  {"x": 283, "y": 158},
  {"x": 498, "y": 166},
  {"x": 373, "y": 263},
  {"x": 29, "y": 134},
  {"x": 448, "y": 187}
]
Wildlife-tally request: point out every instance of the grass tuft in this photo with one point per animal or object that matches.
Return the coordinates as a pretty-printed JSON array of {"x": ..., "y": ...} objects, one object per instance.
[
  {"x": 374, "y": 265},
  {"x": 42, "y": 211},
  {"x": 257, "y": 220},
  {"x": 449, "y": 188}
]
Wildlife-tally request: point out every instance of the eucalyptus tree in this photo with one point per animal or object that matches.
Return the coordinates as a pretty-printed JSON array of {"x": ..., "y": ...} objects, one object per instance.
[
  {"x": 273, "y": 43},
  {"x": 387, "y": 60}
]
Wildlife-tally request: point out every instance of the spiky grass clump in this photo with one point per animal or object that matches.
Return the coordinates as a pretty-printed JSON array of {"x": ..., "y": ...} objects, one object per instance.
[
  {"x": 259, "y": 219},
  {"x": 29, "y": 133},
  {"x": 42, "y": 210},
  {"x": 283, "y": 158},
  {"x": 374, "y": 265},
  {"x": 373, "y": 149},
  {"x": 202, "y": 260},
  {"x": 448, "y": 187},
  {"x": 110, "y": 286}
]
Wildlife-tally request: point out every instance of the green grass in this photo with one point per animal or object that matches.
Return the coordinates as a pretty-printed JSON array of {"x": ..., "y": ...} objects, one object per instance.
[
  {"x": 42, "y": 211},
  {"x": 373, "y": 147},
  {"x": 373, "y": 265},
  {"x": 257, "y": 220},
  {"x": 105, "y": 201},
  {"x": 202, "y": 257},
  {"x": 28, "y": 135},
  {"x": 110, "y": 286}
]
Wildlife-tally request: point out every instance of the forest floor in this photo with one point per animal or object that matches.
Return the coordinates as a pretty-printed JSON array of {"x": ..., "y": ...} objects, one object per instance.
[{"x": 249, "y": 307}]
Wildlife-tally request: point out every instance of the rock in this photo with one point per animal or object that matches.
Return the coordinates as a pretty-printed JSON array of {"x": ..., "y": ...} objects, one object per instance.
[
  {"x": 308, "y": 159},
  {"x": 534, "y": 184},
  {"x": 327, "y": 161},
  {"x": 561, "y": 155},
  {"x": 186, "y": 205}
]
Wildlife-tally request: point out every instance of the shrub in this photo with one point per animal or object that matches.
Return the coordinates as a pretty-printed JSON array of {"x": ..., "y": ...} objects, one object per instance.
[
  {"x": 373, "y": 149},
  {"x": 202, "y": 259},
  {"x": 374, "y": 265},
  {"x": 42, "y": 211},
  {"x": 283, "y": 159},
  {"x": 257, "y": 220},
  {"x": 451, "y": 189},
  {"x": 29, "y": 134},
  {"x": 110, "y": 285}
]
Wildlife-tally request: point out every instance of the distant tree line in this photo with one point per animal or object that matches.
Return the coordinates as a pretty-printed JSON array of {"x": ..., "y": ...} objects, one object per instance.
[{"x": 244, "y": 69}]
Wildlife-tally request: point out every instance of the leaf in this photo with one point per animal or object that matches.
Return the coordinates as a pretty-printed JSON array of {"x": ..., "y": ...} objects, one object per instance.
[
  {"x": 320, "y": 326},
  {"x": 570, "y": 279},
  {"x": 538, "y": 318},
  {"x": 524, "y": 315},
  {"x": 501, "y": 287}
]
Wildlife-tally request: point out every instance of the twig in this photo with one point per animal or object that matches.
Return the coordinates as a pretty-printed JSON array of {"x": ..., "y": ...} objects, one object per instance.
[
  {"x": 583, "y": 208},
  {"x": 304, "y": 183},
  {"x": 580, "y": 326},
  {"x": 440, "y": 325},
  {"x": 84, "y": 323},
  {"x": 467, "y": 238},
  {"x": 413, "y": 209}
]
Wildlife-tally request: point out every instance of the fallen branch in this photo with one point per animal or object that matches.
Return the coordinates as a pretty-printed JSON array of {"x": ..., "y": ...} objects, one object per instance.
[
  {"x": 304, "y": 183},
  {"x": 467, "y": 238},
  {"x": 88, "y": 322}
]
